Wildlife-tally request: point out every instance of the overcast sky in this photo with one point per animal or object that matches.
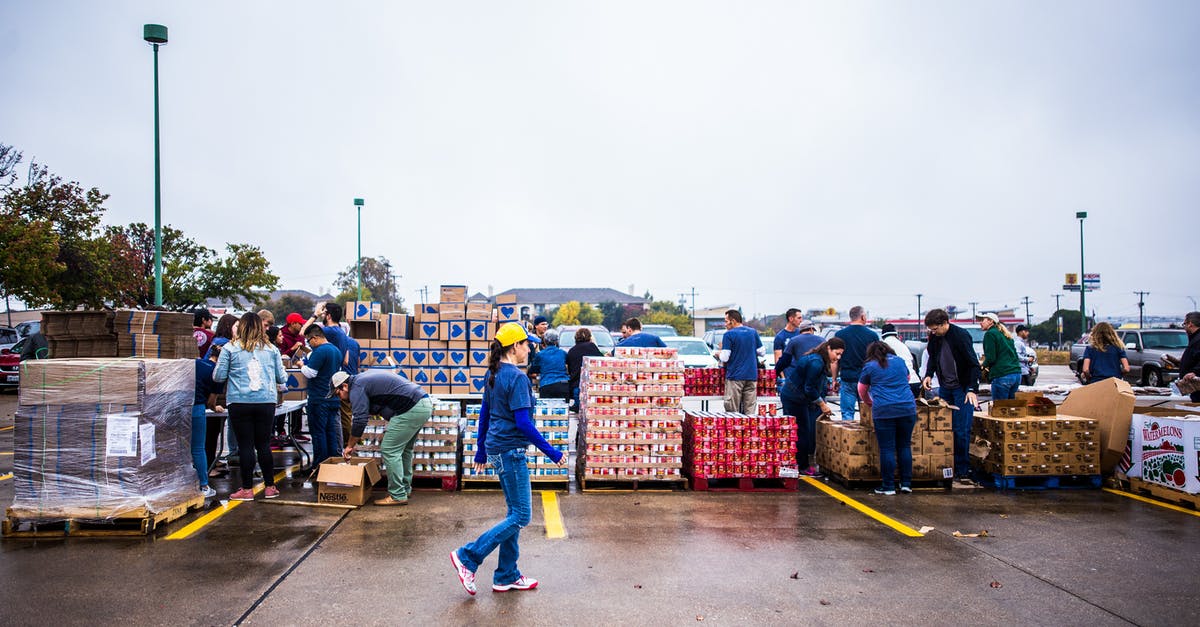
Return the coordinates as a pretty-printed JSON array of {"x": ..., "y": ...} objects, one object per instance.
[{"x": 769, "y": 154}]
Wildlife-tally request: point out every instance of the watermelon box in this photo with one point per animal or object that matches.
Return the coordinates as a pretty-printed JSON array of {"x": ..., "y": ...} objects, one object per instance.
[{"x": 1169, "y": 452}]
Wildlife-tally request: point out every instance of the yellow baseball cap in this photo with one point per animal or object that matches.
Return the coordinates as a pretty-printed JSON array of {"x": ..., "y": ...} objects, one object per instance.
[{"x": 512, "y": 333}]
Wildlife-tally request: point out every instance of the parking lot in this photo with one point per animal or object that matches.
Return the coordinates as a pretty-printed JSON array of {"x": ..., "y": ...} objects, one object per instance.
[{"x": 1063, "y": 557}]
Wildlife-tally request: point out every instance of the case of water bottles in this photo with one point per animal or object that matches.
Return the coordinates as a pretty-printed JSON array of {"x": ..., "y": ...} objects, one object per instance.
[{"x": 435, "y": 452}]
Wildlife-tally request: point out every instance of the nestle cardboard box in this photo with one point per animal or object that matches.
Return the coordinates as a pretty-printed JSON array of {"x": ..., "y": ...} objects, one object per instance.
[
  {"x": 347, "y": 481},
  {"x": 427, "y": 330},
  {"x": 454, "y": 293},
  {"x": 397, "y": 326},
  {"x": 1110, "y": 403},
  {"x": 362, "y": 310}
]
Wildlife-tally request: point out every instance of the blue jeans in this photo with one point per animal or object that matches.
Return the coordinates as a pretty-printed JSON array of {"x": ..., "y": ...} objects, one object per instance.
[
  {"x": 895, "y": 443},
  {"x": 325, "y": 426},
  {"x": 199, "y": 434},
  {"x": 806, "y": 413},
  {"x": 1005, "y": 388},
  {"x": 513, "y": 472},
  {"x": 961, "y": 421},
  {"x": 849, "y": 399}
]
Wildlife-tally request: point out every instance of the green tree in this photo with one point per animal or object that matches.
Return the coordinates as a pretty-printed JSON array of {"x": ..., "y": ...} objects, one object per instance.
[
  {"x": 612, "y": 315},
  {"x": 346, "y": 296},
  {"x": 1046, "y": 332},
  {"x": 568, "y": 313},
  {"x": 289, "y": 303},
  {"x": 193, "y": 273},
  {"x": 377, "y": 279},
  {"x": 667, "y": 312},
  {"x": 589, "y": 314}
]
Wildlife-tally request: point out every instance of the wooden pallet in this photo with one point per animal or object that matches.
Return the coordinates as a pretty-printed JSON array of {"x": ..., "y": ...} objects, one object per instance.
[
  {"x": 626, "y": 485},
  {"x": 870, "y": 484},
  {"x": 31, "y": 524},
  {"x": 744, "y": 484},
  {"x": 540, "y": 483},
  {"x": 1163, "y": 493},
  {"x": 1040, "y": 482}
]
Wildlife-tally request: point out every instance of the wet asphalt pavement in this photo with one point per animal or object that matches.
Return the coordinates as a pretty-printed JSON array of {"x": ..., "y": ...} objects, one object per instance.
[{"x": 1058, "y": 557}]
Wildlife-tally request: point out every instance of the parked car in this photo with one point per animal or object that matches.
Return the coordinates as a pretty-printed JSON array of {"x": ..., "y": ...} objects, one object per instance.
[
  {"x": 692, "y": 350},
  {"x": 1153, "y": 355},
  {"x": 600, "y": 335},
  {"x": 28, "y": 328},
  {"x": 8, "y": 337},
  {"x": 713, "y": 338},
  {"x": 661, "y": 330},
  {"x": 10, "y": 366}
]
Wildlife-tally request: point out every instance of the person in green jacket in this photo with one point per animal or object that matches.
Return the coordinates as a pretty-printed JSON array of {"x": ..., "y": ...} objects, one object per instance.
[{"x": 1000, "y": 357}]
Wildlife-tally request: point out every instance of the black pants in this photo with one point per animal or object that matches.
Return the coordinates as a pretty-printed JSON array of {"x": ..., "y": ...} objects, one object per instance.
[
  {"x": 252, "y": 424},
  {"x": 556, "y": 390},
  {"x": 212, "y": 433}
]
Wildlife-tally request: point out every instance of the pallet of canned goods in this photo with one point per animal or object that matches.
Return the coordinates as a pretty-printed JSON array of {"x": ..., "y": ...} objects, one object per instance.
[
  {"x": 551, "y": 418},
  {"x": 435, "y": 453}
]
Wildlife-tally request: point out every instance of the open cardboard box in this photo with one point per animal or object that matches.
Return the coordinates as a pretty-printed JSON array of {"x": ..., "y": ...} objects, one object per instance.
[
  {"x": 1109, "y": 402},
  {"x": 347, "y": 481}
]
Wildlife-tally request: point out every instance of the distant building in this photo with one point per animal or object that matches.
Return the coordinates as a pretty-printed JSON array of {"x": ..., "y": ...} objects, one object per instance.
[
  {"x": 532, "y": 302},
  {"x": 710, "y": 318},
  {"x": 218, "y": 305}
]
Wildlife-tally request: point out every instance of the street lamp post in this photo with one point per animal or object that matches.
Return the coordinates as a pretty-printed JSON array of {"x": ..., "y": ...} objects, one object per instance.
[
  {"x": 1081, "y": 215},
  {"x": 358, "y": 204},
  {"x": 156, "y": 35},
  {"x": 919, "y": 305}
]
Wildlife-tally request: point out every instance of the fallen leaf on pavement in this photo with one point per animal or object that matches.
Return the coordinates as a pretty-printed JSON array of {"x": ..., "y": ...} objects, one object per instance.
[
  {"x": 1004, "y": 515},
  {"x": 824, "y": 602},
  {"x": 796, "y": 575},
  {"x": 997, "y": 584},
  {"x": 699, "y": 618},
  {"x": 981, "y": 534},
  {"x": 638, "y": 586}
]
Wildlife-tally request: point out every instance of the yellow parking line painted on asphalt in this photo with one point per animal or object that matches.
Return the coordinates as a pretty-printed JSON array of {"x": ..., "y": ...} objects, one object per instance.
[
  {"x": 552, "y": 515},
  {"x": 201, "y": 522},
  {"x": 1138, "y": 497},
  {"x": 6, "y": 453},
  {"x": 8, "y": 428},
  {"x": 878, "y": 516},
  {"x": 6, "y": 477}
]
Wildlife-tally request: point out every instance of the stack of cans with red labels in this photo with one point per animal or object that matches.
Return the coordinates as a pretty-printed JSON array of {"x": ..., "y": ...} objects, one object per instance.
[{"x": 720, "y": 445}]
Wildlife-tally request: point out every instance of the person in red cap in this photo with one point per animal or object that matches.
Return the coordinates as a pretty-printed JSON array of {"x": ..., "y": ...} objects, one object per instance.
[{"x": 291, "y": 340}]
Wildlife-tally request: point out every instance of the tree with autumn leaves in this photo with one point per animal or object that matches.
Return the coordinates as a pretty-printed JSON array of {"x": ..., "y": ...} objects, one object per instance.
[{"x": 54, "y": 252}]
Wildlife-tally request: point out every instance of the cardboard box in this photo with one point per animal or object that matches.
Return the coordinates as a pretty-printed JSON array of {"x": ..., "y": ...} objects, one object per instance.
[
  {"x": 480, "y": 330},
  {"x": 362, "y": 310},
  {"x": 438, "y": 376},
  {"x": 458, "y": 345},
  {"x": 505, "y": 299},
  {"x": 364, "y": 329},
  {"x": 297, "y": 386},
  {"x": 439, "y": 389},
  {"x": 508, "y": 313},
  {"x": 427, "y": 330},
  {"x": 1170, "y": 449},
  {"x": 400, "y": 356},
  {"x": 1110, "y": 403},
  {"x": 398, "y": 326},
  {"x": 454, "y": 293},
  {"x": 935, "y": 415},
  {"x": 380, "y": 344},
  {"x": 428, "y": 309},
  {"x": 455, "y": 330},
  {"x": 477, "y": 384},
  {"x": 460, "y": 377},
  {"x": 937, "y": 442},
  {"x": 438, "y": 357},
  {"x": 418, "y": 357},
  {"x": 479, "y": 311},
  {"x": 477, "y": 356},
  {"x": 457, "y": 359},
  {"x": 347, "y": 481},
  {"x": 419, "y": 376},
  {"x": 453, "y": 311}
]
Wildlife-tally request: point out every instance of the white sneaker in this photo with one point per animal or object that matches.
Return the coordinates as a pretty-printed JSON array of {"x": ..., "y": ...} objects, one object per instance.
[
  {"x": 905, "y": 489},
  {"x": 465, "y": 576},
  {"x": 524, "y": 583},
  {"x": 208, "y": 492}
]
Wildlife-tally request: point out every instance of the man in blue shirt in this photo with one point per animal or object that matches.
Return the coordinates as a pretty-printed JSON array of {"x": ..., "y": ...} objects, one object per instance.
[
  {"x": 789, "y": 331},
  {"x": 631, "y": 330},
  {"x": 858, "y": 336},
  {"x": 806, "y": 339},
  {"x": 323, "y": 422},
  {"x": 739, "y": 352}
]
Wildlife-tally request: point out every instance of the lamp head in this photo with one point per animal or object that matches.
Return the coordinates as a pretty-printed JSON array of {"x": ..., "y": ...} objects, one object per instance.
[
  {"x": 358, "y": 202},
  {"x": 154, "y": 33},
  {"x": 1081, "y": 214}
]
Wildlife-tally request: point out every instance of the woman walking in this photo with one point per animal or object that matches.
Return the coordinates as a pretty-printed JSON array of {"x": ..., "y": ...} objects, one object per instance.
[
  {"x": 505, "y": 432},
  {"x": 254, "y": 370},
  {"x": 883, "y": 385},
  {"x": 1104, "y": 358},
  {"x": 803, "y": 396},
  {"x": 1000, "y": 358}
]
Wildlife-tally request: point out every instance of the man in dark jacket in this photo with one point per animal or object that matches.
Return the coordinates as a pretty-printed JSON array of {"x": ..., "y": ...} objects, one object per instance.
[
  {"x": 953, "y": 359},
  {"x": 1189, "y": 362}
]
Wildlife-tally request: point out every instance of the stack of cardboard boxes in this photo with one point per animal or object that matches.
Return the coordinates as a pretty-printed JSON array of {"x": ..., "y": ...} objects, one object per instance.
[
  {"x": 123, "y": 333},
  {"x": 1028, "y": 437},
  {"x": 1165, "y": 449},
  {"x": 442, "y": 346},
  {"x": 850, "y": 450}
]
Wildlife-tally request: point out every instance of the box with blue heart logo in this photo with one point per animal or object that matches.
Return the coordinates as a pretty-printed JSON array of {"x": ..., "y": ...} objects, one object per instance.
[
  {"x": 508, "y": 313},
  {"x": 418, "y": 357},
  {"x": 460, "y": 380},
  {"x": 453, "y": 330},
  {"x": 438, "y": 356},
  {"x": 477, "y": 355},
  {"x": 477, "y": 384},
  {"x": 457, "y": 358},
  {"x": 424, "y": 309},
  {"x": 362, "y": 310},
  {"x": 297, "y": 386},
  {"x": 482, "y": 331},
  {"x": 420, "y": 376},
  {"x": 430, "y": 330}
]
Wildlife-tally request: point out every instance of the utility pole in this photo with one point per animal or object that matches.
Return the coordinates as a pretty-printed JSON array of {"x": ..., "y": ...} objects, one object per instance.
[
  {"x": 1142, "y": 308},
  {"x": 1081, "y": 216},
  {"x": 1025, "y": 301},
  {"x": 919, "y": 306},
  {"x": 423, "y": 291},
  {"x": 973, "y": 304},
  {"x": 1057, "y": 297}
]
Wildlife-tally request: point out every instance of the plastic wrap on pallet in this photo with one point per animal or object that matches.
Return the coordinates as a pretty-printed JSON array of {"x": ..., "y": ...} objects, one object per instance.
[{"x": 99, "y": 439}]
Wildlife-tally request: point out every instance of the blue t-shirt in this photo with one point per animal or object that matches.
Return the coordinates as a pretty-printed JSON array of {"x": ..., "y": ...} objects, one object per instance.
[
  {"x": 643, "y": 339},
  {"x": 352, "y": 347},
  {"x": 337, "y": 337},
  {"x": 890, "y": 395},
  {"x": 326, "y": 360},
  {"x": 781, "y": 338},
  {"x": 1105, "y": 364},
  {"x": 857, "y": 338},
  {"x": 551, "y": 365},
  {"x": 743, "y": 344},
  {"x": 512, "y": 391},
  {"x": 801, "y": 344},
  {"x": 204, "y": 382},
  {"x": 217, "y": 341}
]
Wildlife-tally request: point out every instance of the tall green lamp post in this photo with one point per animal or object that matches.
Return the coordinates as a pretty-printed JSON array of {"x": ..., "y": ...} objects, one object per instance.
[
  {"x": 156, "y": 35},
  {"x": 358, "y": 204},
  {"x": 1081, "y": 215}
]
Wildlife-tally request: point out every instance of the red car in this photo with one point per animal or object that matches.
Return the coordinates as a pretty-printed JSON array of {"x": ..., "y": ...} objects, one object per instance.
[{"x": 10, "y": 368}]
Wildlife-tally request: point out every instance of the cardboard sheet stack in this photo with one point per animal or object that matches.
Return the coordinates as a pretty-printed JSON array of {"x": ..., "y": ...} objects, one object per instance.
[
  {"x": 97, "y": 439},
  {"x": 631, "y": 406},
  {"x": 123, "y": 333},
  {"x": 719, "y": 445},
  {"x": 849, "y": 448},
  {"x": 442, "y": 346},
  {"x": 1028, "y": 437},
  {"x": 435, "y": 453},
  {"x": 552, "y": 420}
]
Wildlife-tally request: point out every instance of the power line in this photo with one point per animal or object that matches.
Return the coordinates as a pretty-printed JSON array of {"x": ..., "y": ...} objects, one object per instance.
[
  {"x": 1141, "y": 308},
  {"x": 1025, "y": 300}
]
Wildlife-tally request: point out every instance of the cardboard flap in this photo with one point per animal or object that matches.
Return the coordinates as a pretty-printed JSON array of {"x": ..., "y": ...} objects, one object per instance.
[
  {"x": 348, "y": 471},
  {"x": 1110, "y": 402}
]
